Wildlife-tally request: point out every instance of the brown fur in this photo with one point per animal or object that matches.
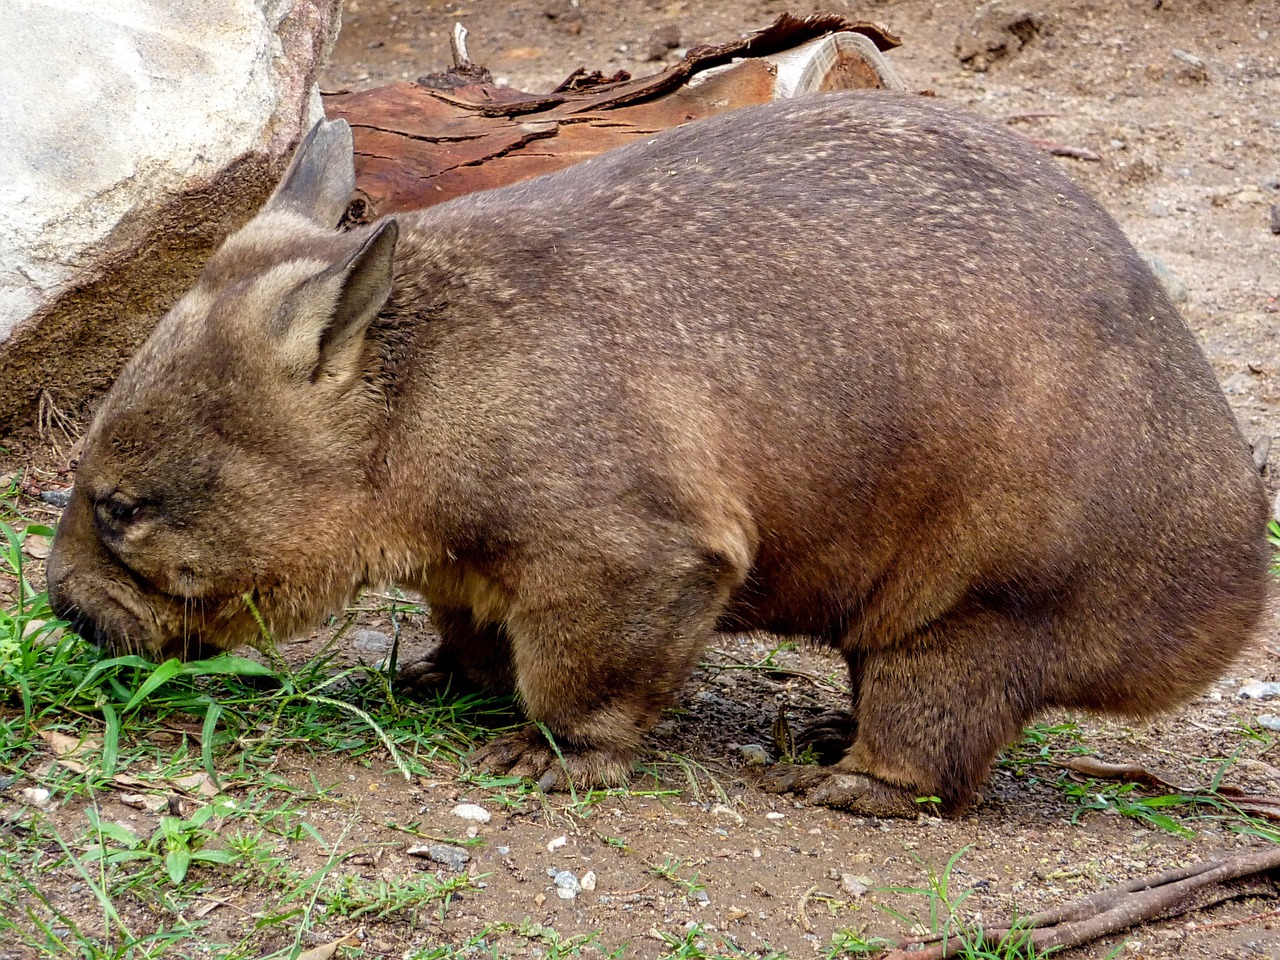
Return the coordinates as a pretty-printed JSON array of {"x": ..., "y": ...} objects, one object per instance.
[{"x": 857, "y": 367}]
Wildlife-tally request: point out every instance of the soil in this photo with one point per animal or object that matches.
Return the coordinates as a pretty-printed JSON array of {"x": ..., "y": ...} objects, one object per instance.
[{"x": 1181, "y": 102}]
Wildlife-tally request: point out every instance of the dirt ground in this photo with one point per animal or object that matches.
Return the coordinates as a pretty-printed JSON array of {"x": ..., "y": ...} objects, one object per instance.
[{"x": 1181, "y": 101}]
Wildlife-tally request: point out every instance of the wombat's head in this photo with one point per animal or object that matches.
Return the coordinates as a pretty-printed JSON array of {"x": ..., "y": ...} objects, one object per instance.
[{"x": 231, "y": 456}]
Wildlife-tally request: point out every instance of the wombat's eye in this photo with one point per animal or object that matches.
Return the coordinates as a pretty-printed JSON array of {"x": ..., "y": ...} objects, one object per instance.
[{"x": 117, "y": 512}]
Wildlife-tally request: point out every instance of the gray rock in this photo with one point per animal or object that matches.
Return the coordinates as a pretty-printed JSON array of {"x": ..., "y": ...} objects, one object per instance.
[
  {"x": 1174, "y": 287},
  {"x": 1269, "y": 721},
  {"x": 567, "y": 885},
  {"x": 1259, "y": 691},
  {"x": 454, "y": 858},
  {"x": 374, "y": 643},
  {"x": 56, "y": 498},
  {"x": 753, "y": 754},
  {"x": 136, "y": 135}
]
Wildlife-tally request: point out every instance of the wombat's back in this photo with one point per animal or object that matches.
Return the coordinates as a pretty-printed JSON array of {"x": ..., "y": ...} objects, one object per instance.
[{"x": 886, "y": 351}]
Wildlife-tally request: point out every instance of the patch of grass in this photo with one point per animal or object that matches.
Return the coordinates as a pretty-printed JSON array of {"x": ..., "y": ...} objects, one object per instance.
[
  {"x": 1042, "y": 744},
  {"x": 943, "y": 919},
  {"x": 696, "y": 944},
  {"x": 204, "y": 735},
  {"x": 850, "y": 943}
]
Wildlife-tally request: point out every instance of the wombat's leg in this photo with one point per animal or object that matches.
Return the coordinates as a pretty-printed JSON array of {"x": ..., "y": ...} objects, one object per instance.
[
  {"x": 932, "y": 712},
  {"x": 470, "y": 658},
  {"x": 599, "y": 657}
]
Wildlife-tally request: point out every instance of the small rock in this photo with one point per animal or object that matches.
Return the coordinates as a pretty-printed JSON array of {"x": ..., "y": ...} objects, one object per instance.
[
  {"x": 702, "y": 897},
  {"x": 1250, "y": 195},
  {"x": 540, "y": 899},
  {"x": 472, "y": 811},
  {"x": 1259, "y": 691},
  {"x": 753, "y": 754},
  {"x": 1275, "y": 218},
  {"x": 38, "y": 797},
  {"x": 853, "y": 885},
  {"x": 56, "y": 498},
  {"x": 373, "y": 642},
  {"x": 661, "y": 41},
  {"x": 775, "y": 815},
  {"x": 567, "y": 885},
  {"x": 556, "y": 844},
  {"x": 1159, "y": 209},
  {"x": 721, "y": 810},
  {"x": 1269, "y": 721},
  {"x": 504, "y": 851},
  {"x": 442, "y": 853},
  {"x": 588, "y": 881},
  {"x": 1174, "y": 287},
  {"x": 1190, "y": 59}
]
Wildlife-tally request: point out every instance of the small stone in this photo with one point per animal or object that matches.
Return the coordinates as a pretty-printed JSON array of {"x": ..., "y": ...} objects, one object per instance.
[
  {"x": 504, "y": 851},
  {"x": 702, "y": 897},
  {"x": 774, "y": 815},
  {"x": 472, "y": 811},
  {"x": 1259, "y": 691},
  {"x": 1174, "y": 287},
  {"x": 540, "y": 899},
  {"x": 721, "y": 810},
  {"x": 1269, "y": 721},
  {"x": 1190, "y": 59},
  {"x": 588, "y": 881},
  {"x": 661, "y": 41},
  {"x": 1159, "y": 209},
  {"x": 56, "y": 498},
  {"x": 442, "y": 853},
  {"x": 38, "y": 797},
  {"x": 1275, "y": 218},
  {"x": 556, "y": 844},
  {"x": 567, "y": 885},
  {"x": 753, "y": 754},
  {"x": 854, "y": 885},
  {"x": 372, "y": 642}
]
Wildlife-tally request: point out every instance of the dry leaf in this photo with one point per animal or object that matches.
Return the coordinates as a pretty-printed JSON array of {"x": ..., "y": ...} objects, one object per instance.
[
  {"x": 36, "y": 547},
  {"x": 197, "y": 784},
  {"x": 328, "y": 950},
  {"x": 64, "y": 745}
]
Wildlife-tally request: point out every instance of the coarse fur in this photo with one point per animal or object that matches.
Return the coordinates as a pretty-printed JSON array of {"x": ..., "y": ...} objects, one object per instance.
[{"x": 858, "y": 367}]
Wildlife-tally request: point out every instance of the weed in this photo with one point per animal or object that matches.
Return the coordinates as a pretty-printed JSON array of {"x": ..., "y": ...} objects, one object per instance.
[
  {"x": 942, "y": 919},
  {"x": 695, "y": 945},
  {"x": 670, "y": 870}
]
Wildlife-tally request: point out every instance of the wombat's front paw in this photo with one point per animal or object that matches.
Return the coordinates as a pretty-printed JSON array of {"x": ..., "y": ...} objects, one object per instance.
[
  {"x": 526, "y": 753},
  {"x": 833, "y": 787}
]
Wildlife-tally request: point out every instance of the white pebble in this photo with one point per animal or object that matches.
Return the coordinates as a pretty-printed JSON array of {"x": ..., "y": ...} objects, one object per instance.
[
  {"x": 774, "y": 815},
  {"x": 556, "y": 844},
  {"x": 472, "y": 811},
  {"x": 588, "y": 881}
]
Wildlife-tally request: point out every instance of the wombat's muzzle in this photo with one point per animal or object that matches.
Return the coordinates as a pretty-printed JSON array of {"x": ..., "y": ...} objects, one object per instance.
[{"x": 80, "y": 578}]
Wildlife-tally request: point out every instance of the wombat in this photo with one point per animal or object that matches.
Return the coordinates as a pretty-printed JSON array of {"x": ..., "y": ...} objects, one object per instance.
[{"x": 857, "y": 367}]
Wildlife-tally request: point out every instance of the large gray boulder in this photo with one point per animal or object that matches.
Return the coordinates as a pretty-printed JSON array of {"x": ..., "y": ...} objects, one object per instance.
[{"x": 134, "y": 136}]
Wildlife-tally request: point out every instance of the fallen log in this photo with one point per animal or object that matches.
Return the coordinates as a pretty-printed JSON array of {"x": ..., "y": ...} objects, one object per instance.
[{"x": 420, "y": 143}]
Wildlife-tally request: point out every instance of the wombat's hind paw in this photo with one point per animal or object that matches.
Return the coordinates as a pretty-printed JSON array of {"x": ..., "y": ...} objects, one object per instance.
[
  {"x": 526, "y": 753},
  {"x": 832, "y": 787}
]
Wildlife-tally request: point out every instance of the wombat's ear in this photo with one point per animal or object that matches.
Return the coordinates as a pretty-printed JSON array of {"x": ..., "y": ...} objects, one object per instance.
[
  {"x": 322, "y": 324},
  {"x": 322, "y": 176}
]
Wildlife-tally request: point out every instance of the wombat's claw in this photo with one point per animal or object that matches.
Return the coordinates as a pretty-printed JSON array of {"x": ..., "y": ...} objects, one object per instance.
[
  {"x": 421, "y": 676},
  {"x": 526, "y": 754},
  {"x": 832, "y": 787}
]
